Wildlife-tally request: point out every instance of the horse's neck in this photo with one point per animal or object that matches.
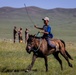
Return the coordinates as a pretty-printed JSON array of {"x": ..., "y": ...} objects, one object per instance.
[
  {"x": 37, "y": 40},
  {"x": 41, "y": 43}
]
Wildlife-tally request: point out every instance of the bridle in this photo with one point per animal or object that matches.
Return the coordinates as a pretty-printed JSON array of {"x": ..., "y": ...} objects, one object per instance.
[
  {"x": 35, "y": 50},
  {"x": 33, "y": 47}
]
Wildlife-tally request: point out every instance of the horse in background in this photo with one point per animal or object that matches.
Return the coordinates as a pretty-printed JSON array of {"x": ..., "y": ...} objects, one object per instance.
[{"x": 40, "y": 49}]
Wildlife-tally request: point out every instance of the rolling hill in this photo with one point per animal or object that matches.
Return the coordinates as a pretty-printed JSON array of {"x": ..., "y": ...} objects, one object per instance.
[{"x": 63, "y": 21}]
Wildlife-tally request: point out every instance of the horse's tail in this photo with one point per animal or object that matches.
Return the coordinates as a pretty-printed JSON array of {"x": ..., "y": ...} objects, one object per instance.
[
  {"x": 63, "y": 42},
  {"x": 66, "y": 51}
]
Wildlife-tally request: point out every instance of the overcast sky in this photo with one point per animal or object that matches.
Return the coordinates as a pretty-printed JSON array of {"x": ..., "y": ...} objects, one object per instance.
[{"x": 46, "y": 4}]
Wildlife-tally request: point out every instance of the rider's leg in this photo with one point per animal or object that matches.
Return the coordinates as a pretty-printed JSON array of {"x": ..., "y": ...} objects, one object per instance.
[{"x": 50, "y": 44}]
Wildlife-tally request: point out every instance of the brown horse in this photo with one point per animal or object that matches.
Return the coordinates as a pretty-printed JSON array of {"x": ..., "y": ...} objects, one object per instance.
[{"x": 40, "y": 49}]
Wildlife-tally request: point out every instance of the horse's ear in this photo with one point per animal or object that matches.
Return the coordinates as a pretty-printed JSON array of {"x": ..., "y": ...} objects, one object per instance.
[
  {"x": 34, "y": 35},
  {"x": 31, "y": 35}
]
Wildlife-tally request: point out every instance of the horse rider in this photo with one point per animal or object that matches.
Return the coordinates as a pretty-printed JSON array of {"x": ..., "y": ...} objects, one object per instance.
[{"x": 46, "y": 32}]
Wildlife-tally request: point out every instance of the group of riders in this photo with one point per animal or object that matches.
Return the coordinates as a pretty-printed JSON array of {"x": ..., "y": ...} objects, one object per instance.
[{"x": 46, "y": 30}]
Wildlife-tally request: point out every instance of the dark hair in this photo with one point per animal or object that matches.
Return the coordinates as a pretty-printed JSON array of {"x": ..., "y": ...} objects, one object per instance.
[
  {"x": 15, "y": 27},
  {"x": 26, "y": 29},
  {"x": 20, "y": 28}
]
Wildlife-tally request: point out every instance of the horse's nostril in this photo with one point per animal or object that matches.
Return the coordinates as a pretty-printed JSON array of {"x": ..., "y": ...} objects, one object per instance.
[{"x": 29, "y": 48}]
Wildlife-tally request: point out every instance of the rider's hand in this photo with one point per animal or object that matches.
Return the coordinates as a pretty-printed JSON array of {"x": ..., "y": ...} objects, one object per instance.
[
  {"x": 41, "y": 31},
  {"x": 35, "y": 26}
]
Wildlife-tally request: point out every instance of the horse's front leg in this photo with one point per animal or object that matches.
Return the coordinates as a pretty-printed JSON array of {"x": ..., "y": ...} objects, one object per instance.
[
  {"x": 32, "y": 63},
  {"x": 46, "y": 64}
]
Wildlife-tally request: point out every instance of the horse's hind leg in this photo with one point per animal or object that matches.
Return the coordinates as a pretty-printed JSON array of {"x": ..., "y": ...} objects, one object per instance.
[
  {"x": 66, "y": 57},
  {"x": 58, "y": 59}
]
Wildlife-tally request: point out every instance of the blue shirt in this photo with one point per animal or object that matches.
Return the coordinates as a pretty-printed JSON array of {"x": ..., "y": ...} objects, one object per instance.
[{"x": 47, "y": 28}]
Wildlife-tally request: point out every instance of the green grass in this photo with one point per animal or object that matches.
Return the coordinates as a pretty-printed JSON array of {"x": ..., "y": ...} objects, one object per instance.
[{"x": 13, "y": 57}]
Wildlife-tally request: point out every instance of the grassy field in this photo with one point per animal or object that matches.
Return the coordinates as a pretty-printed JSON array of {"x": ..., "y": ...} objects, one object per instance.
[{"x": 14, "y": 59}]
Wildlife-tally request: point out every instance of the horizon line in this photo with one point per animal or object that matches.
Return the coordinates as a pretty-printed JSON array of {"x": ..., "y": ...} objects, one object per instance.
[{"x": 39, "y": 7}]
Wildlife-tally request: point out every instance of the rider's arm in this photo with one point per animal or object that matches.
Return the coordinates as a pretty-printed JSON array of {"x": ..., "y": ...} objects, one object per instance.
[
  {"x": 38, "y": 27},
  {"x": 44, "y": 32}
]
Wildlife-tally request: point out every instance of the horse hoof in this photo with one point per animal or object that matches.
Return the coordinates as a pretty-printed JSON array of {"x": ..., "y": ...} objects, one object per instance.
[
  {"x": 62, "y": 69},
  {"x": 26, "y": 70},
  {"x": 70, "y": 65}
]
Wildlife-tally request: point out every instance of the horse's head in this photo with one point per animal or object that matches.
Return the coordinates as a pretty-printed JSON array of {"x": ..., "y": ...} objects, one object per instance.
[{"x": 30, "y": 43}]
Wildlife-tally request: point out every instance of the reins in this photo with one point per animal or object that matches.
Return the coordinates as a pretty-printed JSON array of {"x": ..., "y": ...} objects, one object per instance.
[{"x": 35, "y": 50}]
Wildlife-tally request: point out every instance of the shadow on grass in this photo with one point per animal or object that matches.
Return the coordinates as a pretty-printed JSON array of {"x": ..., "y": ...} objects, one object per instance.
[{"x": 5, "y": 70}]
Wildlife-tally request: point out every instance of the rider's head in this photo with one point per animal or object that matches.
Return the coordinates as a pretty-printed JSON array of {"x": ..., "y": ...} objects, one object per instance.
[
  {"x": 14, "y": 27},
  {"x": 46, "y": 20}
]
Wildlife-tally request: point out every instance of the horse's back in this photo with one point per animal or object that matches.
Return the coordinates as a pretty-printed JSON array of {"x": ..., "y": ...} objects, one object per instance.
[
  {"x": 58, "y": 43},
  {"x": 55, "y": 41},
  {"x": 45, "y": 48}
]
